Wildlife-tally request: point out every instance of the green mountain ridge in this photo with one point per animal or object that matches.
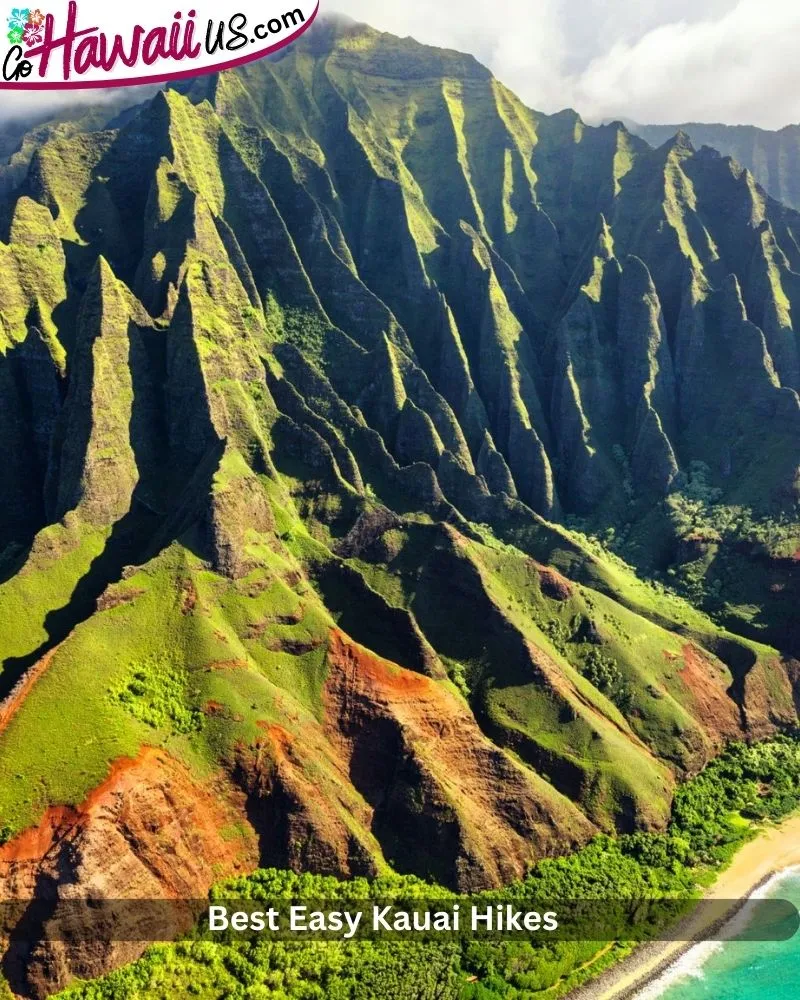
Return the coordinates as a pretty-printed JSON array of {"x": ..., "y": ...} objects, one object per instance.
[
  {"x": 772, "y": 156},
  {"x": 311, "y": 373}
]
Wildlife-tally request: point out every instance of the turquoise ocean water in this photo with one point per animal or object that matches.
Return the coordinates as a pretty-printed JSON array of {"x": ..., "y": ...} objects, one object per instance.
[{"x": 739, "y": 970}]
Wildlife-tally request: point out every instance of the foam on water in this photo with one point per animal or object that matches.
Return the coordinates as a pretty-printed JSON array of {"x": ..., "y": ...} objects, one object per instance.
[{"x": 701, "y": 970}]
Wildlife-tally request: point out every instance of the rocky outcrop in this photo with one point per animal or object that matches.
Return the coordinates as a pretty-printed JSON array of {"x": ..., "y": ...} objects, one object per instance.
[
  {"x": 94, "y": 463},
  {"x": 444, "y": 800},
  {"x": 150, "y": 831}
]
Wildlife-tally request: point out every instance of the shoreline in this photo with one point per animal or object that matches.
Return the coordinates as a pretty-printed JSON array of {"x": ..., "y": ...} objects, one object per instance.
[{"x": 774, "y": 851}]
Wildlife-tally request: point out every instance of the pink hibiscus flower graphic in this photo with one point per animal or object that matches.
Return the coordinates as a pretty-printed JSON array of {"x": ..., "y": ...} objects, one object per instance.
[{"x": 32, "y": 35}]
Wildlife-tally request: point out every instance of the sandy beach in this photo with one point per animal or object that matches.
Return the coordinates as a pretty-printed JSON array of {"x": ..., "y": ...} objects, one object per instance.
[{"x": 773, "y": 851}]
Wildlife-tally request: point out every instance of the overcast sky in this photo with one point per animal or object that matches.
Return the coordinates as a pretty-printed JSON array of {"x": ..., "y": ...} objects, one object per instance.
[{"x": 656, "y": 61}]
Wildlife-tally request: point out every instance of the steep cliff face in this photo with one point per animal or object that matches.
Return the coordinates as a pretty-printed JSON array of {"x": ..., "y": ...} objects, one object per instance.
[
  {"x": 149, "y": 831},
  {"x": 310, "y": 372},
  {"x": 772, "y": 156}
]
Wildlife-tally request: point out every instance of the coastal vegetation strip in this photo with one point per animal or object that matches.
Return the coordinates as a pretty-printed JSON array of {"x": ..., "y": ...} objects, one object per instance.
[{"x": 715, "y": 821}]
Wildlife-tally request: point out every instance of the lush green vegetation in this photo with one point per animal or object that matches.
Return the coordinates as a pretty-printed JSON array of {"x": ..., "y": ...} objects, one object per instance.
[
  {"x": 155, "y": 694},
  {"x": 709, "y": 820},
  {"x": 711, "y": 551}
]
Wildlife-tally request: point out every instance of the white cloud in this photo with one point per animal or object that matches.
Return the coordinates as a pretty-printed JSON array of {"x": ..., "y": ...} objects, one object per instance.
[
  {"x": 655, "y": 61},
  {"x": 33, "y": 105},
  {"x": 742, "y": 67}
]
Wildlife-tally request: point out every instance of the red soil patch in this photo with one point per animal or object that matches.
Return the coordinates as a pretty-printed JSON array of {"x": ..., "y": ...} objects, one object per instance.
[
  {"x": 256, "y": 587},
  {"x": 131, "y": 778},
  {"x": 107, "y": 601},
  {"x": 280, "y": 738},
  {"x": 553, "y": 584},
  {"x": 188, "y": 597},
  {"x": 716, "y": 711},
  {"x": 227, "y": 665},
  {"x": 475, "y": 809},
  {"x": 375, "y": 672},
  {"x": 36, "y": 841},
  {"x": 149, "y": 830}
]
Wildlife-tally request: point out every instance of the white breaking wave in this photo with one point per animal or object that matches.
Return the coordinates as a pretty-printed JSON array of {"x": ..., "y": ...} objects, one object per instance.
[{"x": 691, "y": 965}]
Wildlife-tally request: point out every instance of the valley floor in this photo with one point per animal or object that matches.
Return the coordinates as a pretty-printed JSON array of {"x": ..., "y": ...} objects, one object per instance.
[{"x": 774, "y": 850}]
